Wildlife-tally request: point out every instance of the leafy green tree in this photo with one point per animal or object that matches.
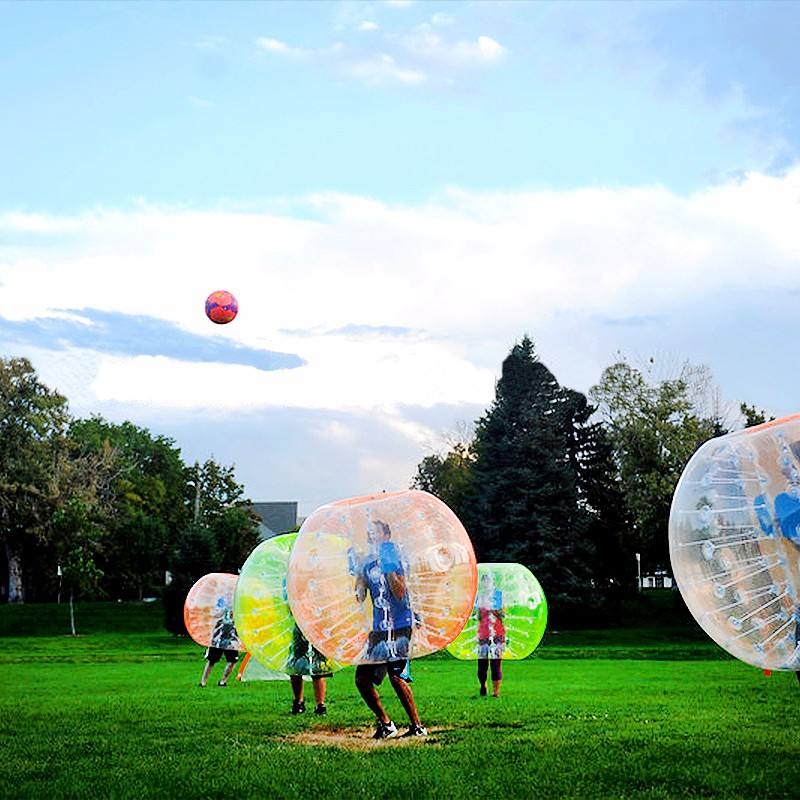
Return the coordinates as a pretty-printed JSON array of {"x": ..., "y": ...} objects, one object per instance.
[
  {"x": 446, "y": 476},
  {"x": 221, "y": 535},
  {"x": 196, "y": 554},
  {"x": 591, "y": 455},
  {"x": 146, "y": 503},
  {"x": 218, "y": 502},
  {"x": 77, "y": 539},
  {"x": 753, "y": 416},
  {"x": 33, "y": 422},
  {"x": 212, "y": 489},
  {"x": 654, "y": 429},
  {"x": 236, "y": 535}
]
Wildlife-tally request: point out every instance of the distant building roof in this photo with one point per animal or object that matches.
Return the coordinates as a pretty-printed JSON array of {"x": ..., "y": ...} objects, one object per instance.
[{"x": 276, "y": 517}]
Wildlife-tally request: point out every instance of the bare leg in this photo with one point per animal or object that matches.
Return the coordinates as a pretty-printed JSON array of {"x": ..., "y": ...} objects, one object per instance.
[
  {"x": 497, "y": 676},
  {"x": 206, "y": 672},
  {"x": 406, "y": 697},
  {"x": 369, "y": 695},
  {"x": 319, "y": 690},
  {"x": 297, "y": 687},
  {"x": 483, "y": 673},
  {"x": 227, "y": 673}
]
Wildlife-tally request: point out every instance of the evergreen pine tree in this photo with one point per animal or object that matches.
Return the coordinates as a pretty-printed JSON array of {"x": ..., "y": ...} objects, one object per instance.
[
  {"x": 600, "y": 498},
  {"x": 524, "y": 502}
]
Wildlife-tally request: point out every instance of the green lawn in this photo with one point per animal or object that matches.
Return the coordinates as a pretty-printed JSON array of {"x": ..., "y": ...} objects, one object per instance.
[{"x": 637, "y": 712}]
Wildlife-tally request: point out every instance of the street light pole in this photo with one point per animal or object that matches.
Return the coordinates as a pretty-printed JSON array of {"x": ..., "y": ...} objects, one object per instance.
[{"x": 639, "y": 570}]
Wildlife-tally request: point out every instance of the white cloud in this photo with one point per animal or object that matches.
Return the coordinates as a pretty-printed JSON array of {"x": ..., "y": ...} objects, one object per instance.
[
  {"x": 382, "y": 69},
  {"x": 711, "y": 277},
  {"x": 485, "y": 49},
  {"x": 198, "y": 102},
  {"x": 441, "y": 19},
  {"x": 425, "y": 43},
  {"x": 417, "y": 57},
  {"x": 379, "y": 69},
  {"x": 337, "y": 431},
  {"x": 398, "y": 3},
  {"x": 473, "y": 271},
  {"x": 280, "y": 48},
  {"x": 344, "y": 376}
]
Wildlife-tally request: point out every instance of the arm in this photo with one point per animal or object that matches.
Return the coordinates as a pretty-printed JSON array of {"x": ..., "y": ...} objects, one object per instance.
[
  {"x": 397, "y": 583},
  {"x": 392, "y": 569},
  {"x": 361, "y": 588}
]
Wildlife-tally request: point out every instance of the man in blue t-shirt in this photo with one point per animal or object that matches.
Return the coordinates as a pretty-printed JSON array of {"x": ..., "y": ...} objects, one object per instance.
[
  {"x": 382, "y": 574},
  {"x": 787, "y": 513}
]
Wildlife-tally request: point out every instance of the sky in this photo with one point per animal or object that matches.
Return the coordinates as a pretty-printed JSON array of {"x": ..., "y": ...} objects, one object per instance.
[{"x": 395, "y": 192}]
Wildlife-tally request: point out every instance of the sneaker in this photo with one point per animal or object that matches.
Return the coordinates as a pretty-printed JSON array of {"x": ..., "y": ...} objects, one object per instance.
[
  {"x": 320, "y": 710},
  {"x": 298, "y": 707},
  {"x": 415, "y": 730},
  {"x": 385, "y": 730},
  {"x": 483, "y": 691},
  {"x": 222, "y": 683}
]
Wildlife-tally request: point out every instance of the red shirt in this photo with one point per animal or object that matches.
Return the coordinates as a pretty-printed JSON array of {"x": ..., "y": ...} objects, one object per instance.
[{"x": 490, "y": 624}]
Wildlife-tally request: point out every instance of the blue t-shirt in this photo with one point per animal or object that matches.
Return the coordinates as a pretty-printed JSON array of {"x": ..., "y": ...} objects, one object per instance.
[
  {"x": 389, "y": 613},
  {"x": 787, "y": 511}
]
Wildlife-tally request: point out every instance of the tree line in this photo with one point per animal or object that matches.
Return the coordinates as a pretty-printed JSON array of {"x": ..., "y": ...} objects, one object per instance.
[
  {"x": 569, "y": 485},
  {"x": 576, "y": 487},
  {"x": 106, "y": 509}
]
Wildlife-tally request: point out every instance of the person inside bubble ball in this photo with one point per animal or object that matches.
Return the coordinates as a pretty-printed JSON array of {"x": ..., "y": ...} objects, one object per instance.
[
  {"x": 305, "y": 659},
  {"x": 787, "y": 517},
  {"x": 491, "y": 634},
  {"x": 381, "y": 574},
  {"x": 222, "y": 640}
]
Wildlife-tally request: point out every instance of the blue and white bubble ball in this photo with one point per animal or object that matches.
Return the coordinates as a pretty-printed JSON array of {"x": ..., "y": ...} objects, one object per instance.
[{"x": 734, "y": 538}]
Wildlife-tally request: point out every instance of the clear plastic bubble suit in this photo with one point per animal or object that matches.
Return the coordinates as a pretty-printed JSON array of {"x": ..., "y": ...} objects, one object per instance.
[
  {"x": 734, "y": 542},
  {"x": 208, "y": 611},
  {"x": 263, "y": 618},
  {"x": 382, "y": 578},
  {"x": 509, "y": 617}
]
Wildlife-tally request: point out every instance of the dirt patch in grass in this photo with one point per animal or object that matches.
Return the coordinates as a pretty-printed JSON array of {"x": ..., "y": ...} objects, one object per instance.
[{"x": 359, "y": 738}]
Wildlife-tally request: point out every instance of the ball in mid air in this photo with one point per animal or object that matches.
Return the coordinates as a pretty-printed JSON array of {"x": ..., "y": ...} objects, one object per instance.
[{"x": 221, "y": 307}]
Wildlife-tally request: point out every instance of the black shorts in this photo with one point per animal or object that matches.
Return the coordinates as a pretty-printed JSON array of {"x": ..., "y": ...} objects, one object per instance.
[
  {"x": 377, "y": 672},
  {"x": 213, "y": 654},
  {"x": 387, "y": 646},
  {"x": 395, "y": 652}
]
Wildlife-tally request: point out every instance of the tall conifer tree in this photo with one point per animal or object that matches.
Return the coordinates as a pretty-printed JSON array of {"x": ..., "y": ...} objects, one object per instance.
[{"x": 525, "y": 501}]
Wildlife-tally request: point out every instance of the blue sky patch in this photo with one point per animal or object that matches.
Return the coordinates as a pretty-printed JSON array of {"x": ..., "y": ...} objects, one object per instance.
[{"x": 125, "y": 334}]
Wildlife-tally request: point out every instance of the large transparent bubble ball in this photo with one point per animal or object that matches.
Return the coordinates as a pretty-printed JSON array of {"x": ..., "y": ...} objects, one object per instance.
[
  {"x": 382, "y": 578},
  {"x": 208, "y": 611},
  {"x": 263, "y": 618},
  {"x": 509, "y": 617},
  {"x": 734, "y": 542}
]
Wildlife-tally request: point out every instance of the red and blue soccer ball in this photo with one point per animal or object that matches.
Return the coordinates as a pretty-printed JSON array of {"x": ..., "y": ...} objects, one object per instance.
[{"x": 221, "y": 307}]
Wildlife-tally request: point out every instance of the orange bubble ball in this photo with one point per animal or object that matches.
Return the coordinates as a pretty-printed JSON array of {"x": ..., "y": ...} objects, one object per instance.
[
  {"x": 208, "y": 611},
  {"x": 382, "y": 578}
]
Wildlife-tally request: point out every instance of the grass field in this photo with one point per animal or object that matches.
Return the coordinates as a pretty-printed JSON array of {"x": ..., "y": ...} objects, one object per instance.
[{"x": 652, "y": 712}]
